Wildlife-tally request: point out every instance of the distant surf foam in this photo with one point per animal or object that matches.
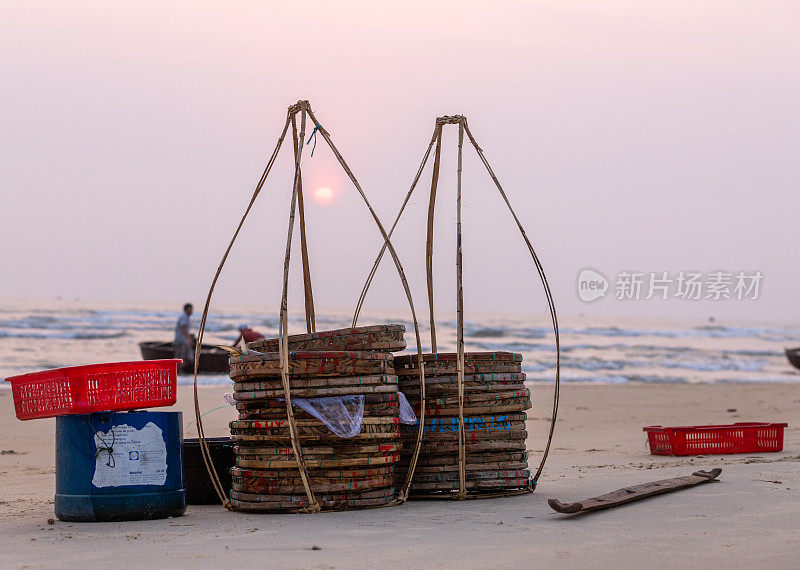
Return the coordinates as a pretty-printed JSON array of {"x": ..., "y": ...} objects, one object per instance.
[{"x": 656, "y": 352}]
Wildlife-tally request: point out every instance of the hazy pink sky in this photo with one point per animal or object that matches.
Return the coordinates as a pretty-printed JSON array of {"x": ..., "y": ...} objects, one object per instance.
[{"x": 650, "y": 136}]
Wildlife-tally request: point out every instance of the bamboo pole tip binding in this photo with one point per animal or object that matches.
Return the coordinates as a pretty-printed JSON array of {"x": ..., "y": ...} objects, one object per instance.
[
  {"x": 301, "y": 105},
  {"x": 450, "y": 119}
]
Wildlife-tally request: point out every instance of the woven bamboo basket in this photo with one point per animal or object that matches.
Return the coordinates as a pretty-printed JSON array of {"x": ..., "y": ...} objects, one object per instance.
[
  {"x": 490, "y": 409},
  {"x": 311, "y": 364},
  {"x": 437, "y": 364},
  {"x": 342, "y": 473},
  {"x": 376, "y": 337}
]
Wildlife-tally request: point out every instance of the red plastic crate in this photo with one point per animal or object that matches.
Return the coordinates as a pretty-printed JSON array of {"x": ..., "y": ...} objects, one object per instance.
[
  {"x": 95, "y": 388},
  {"x": 704, "y": 440}
]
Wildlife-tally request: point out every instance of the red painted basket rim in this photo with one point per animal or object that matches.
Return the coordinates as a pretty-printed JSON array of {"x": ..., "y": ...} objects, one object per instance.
[
  {"x": 716, "y": 427},
  {"x": 104, "y": 365}
]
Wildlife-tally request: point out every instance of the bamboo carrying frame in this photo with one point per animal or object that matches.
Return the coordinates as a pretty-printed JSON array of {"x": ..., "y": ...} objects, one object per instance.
[
  {"x": 463, "y": 128},
  {"x": 310, "y": 502}
]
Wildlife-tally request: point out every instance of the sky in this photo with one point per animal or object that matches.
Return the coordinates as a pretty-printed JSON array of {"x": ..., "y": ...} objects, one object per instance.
[{"x": 630, "y": 136}]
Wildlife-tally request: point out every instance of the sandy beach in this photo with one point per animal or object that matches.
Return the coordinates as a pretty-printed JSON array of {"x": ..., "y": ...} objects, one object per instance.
[{"x": 749, "y": 517}]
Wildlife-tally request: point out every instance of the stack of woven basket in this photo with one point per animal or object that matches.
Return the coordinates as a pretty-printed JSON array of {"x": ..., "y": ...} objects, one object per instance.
[
  {"x": 350, "y": 368},
  {"x": 495, "y": 400}
]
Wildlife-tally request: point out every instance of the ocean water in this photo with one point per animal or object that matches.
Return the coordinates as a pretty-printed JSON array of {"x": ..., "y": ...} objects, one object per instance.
[{"x": 36, "y": 335}]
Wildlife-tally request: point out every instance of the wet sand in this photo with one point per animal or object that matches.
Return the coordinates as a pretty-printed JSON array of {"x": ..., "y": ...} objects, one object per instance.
[{"x": 749, "y": 517}]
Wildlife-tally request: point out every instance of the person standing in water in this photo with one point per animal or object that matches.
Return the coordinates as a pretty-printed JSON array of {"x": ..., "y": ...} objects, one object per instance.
[{"x": 184, "y": 342}]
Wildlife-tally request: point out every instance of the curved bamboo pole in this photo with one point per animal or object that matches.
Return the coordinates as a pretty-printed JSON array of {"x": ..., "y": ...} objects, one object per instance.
[
  {"x": 548, "y": 294},
  {"x": 375, "y": 265},
  {"x": 429, "y": 240},
  {"x": 387, "y": 242},
  {"x": 212, "y": 472},
  {"x": 283, "y": 337},
  {"x": 311, "y": 325},
  {"x": 462, "y": 455}
]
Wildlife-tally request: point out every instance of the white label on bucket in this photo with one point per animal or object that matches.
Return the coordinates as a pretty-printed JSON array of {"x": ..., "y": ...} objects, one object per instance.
[{"x": 129, "y": 456}]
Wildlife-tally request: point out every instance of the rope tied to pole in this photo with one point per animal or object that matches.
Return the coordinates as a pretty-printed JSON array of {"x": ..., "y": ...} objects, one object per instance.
[{"x": 313, "y": 136}]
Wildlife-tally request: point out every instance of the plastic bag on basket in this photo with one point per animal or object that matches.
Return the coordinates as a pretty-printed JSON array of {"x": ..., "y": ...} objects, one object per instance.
[
  {"x": 407, "y": 415},
  {"x": 342, "y": 414}
]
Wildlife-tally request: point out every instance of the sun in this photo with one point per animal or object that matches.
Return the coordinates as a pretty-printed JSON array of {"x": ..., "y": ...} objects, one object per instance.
[{"x": 323, "y": 195}]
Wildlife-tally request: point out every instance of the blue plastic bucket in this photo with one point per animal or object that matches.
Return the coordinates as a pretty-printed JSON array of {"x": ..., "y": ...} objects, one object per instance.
[{"x": 113, "y": 466}]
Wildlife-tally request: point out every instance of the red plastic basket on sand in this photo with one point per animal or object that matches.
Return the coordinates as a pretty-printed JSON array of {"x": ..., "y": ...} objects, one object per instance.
[
  {"x": 95, "y": 388},
  {"x": 705, "y": 440}
]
